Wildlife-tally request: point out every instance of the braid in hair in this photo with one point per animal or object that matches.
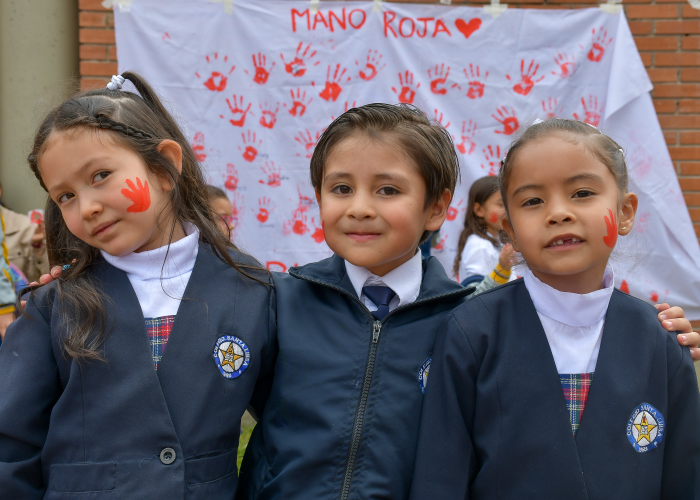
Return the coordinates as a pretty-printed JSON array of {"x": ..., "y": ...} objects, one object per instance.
[{"x": 106, "y": 123}]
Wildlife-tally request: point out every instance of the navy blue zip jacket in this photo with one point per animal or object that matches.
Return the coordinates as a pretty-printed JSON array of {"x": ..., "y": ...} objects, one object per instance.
[
  {"x": 344, "y": 410},
  {"x": 496, "y": 426},
  {"x": 119, "y": 429}
]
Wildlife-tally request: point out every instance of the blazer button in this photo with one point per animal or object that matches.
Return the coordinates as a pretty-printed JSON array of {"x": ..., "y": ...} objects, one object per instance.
[{"x": 167, "y": 456}]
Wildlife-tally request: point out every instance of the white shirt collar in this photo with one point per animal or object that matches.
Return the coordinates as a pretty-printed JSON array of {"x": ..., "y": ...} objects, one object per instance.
[
  {"x": 148, "y": 265},
  {"x": 572, "y": 309},
  {"x": 405, "y": 280}
]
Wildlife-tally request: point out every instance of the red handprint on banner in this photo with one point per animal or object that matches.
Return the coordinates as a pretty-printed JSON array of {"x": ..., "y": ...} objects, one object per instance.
[
  {"x": 549, "y": 106},
  {"x": 439, "y": 118},
  {"x": 566, "y": 63},
  {"x": 237, "y": 111},
  {"x": 440, "y": 245},
  {"x": 218, "y": 71},
  {"x": 468, "y": 144},
  {"x": 296, "y": 225},
  {"x": 250, "y": 146},
  {"x": 298, "y": 107},
  {"x": 237, "y": 206},
  {"x": 372, "y": 66},
  {"x": 408, "y": 91},
  {"x": 492, "y": 154},
  {"x": 262, "y": 72},
  {"x": 307, "y": 141},
  {"x": 476, "y": 81},
  {"x": 506, "y": 117},
  {"x": 231, "y": 178},
  {"x": 273, "y": 174},
  {"x": 297, "y": 66},
  {"x": 318, "y": 235},
  {"x": 453, "y": 212},
  {"x": 265, "y": 207},
  {"x": 332, "y": 89},
  {"x": 599, "y": 43},
  {"x": 268, "y": 116},
  {"x": 198, "y": 147},
  {"x": 592, "y": 111},
  {"x": 305, "y": 202},
  {"x": 438, "y": 77},
  {"x": 524, "y": 86}
]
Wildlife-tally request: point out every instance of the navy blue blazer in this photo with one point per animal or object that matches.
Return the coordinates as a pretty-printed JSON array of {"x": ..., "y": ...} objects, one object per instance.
[
  {"x": 495, "y": 423},
  {"x": 119, "y": 428},
  {"x": 343, "y": 414}
]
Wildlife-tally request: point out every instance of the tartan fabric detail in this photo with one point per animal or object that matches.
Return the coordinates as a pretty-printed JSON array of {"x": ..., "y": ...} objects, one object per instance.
[
  {"x": 576, "y": 387},
  {"x": 158, "y": 333}
]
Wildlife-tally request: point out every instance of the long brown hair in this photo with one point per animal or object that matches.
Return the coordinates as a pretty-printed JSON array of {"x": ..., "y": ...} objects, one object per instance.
[
  {"x": 140, "y": 123},
  {"x": 481, "y": 190}
]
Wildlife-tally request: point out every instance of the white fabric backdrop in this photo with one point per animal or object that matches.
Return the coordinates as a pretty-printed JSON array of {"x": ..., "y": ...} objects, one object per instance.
[{"x": 256, "y": 86}]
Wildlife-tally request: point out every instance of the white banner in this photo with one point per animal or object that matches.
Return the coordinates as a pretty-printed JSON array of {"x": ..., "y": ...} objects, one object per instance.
[{"x": 256, "y": 81}]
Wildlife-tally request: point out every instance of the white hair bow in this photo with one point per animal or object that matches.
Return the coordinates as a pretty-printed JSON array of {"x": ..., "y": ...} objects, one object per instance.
[{"x": 116, "y": 83}]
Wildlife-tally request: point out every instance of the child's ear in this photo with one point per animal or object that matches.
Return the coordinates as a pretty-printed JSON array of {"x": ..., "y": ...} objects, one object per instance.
[
  {"x": 438, "y": 211},
  {"x": 479, "y": 210},
  {"x": 508, "y": 228},
  {"x": 628, "y": 211},
  {"x": 173, "y": 152},
  {"x": 318, "y": 199}
]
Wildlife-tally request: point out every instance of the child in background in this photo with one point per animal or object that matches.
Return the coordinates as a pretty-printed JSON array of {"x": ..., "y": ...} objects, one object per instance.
[
  {"x": 222, "y": 206},
  {"x": 543, "y": 397},
  {"x": 480, "y": 254},
  {"x": 128, "y": 377}
]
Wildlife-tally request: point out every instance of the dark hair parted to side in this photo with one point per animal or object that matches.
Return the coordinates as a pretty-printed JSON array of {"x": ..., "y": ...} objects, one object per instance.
[
  {"x": 427, "y": 144},
  {"x": 214, "y": 193},
  {"x": 602, "y": 147},
  {"x": 139, "y": 123},
  {"x": 481, "y": 190}
]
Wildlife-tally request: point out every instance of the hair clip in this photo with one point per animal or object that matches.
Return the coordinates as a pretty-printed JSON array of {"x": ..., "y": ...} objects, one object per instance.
[{"x": 116, "y": 83}]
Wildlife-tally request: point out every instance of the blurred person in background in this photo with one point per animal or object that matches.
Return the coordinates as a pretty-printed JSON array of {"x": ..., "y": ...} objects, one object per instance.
[{"x": 222, "y": 206}]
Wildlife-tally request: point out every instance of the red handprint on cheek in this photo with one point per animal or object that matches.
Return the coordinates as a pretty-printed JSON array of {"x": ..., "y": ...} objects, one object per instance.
[
  {"x": 372, "y": 66},
  {"x": 524, "y": 86},
  {"x": 297, "y": 66},
  {"x": 453, "y": 212},
  {"x": 438, "y": 77},
  {"x": 138, "y": 194},
  {"x": 599, "y": 43},
  {"x": 237, "y": 111},
  {"x": 273, "y": 173},
  {"x": 611, "y": 226},
  {"x": 250, "y": 151},
  {"x": 476, "y": 82},
  {"x": 467, "y": 145},
  {"x": 318, "y": 235},
  {"x": 438, "y": 118},
  {"x": 566, "y": 63},
  {"x": 264, "y": 209},
  {"x": 218, "y": 70},
  {"x": 408, "y": 91},
  {"x": 333, "y": 89},
  {"x": 231, "y": 182},
  {"x": 592, "y": 112},
  {"x": 268, "y": 117},
  {"x": 262, "y": 73},
  {"x": 492, "y": 154},
  {"x": 507, "y": 119},
  {"x": 198, "y": 146},
  {"x": 493, "y": 217},
  {"x": 307, "y": 141},
  {"x": 298, "y": 105},
  {"x": 550, "y": 107}
]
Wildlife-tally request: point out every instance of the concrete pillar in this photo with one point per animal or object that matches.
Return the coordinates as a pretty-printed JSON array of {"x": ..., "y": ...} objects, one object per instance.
[{"x": 38, "y": 59}]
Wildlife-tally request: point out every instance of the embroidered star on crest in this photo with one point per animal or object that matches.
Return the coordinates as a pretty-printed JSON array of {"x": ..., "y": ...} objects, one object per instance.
[
  {"x": 230, "y": 357},
  {"x": 644, "y": 429}
]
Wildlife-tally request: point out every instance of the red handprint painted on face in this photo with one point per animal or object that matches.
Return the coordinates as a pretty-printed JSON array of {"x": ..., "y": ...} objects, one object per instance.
[
  {"x": 237, "y": 205},
  {"x": 218, "y": 70},
  {"x": 297, "y": 66},
  {"x": 524, "y": 86},
  {"x": 231, "y": 180},
  {"x": 268, "y": 116},
  {"x": 372, "y": 66},
  {"x": 298, "y": 107},
  {"x": 307, "y": 141},
  {"x": 318, "y": 235},
  {"x": 273, "y": 174},
  {"x": 332, "y": 89},
  {"x": 249, "y": 150},
  {"x": 477, "y": 83},
  {"x": 438, "y": 118},
  {"x": 466, "y": 147},
  {"x": 438, "y": 76},
  {"x": 262, "y": 72},
  {"x": 566, "y": 63},
  {"x": 138, "y": 194},
  {"x": 599, "y": 43},
  {"x": 264, "y": 209},
  {"x": 549, "y": 106},
  {"x": 453, "y": 212},
  {"x": 237, "y": 111},
  {"x": 408, "y": 91},
  {"x": 591, "y": 111},
  {"x": 493, "y": 217},
  {"x": 506, "y": 118},
  {"x": 198, "y": 146},
  {"x": 611, "y": 225},
  {"x": 493, "y": 159}
]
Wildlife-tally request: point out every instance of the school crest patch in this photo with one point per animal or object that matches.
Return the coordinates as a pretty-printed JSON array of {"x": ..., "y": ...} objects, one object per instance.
[
  {"x": 645, "y": 428},
  {"x": 423, "y": 374},
  {"x": 231, "y": 356}
]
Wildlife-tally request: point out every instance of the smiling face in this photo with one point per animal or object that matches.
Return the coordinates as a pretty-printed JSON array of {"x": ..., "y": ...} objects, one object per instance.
[
  {"x": 105, "y": 194},
  {"x": 565, "y": 212},
  {"x": 372, "y": 203}
]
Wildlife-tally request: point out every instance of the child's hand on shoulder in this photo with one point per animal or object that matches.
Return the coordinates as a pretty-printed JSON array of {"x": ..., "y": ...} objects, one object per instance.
[
  {"x": 507, "y": 257},
  {"x": 673, "y": 320}
]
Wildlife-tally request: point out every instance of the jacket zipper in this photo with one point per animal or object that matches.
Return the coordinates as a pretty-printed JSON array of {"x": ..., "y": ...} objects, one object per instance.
[{"x": 359, "y": 421}]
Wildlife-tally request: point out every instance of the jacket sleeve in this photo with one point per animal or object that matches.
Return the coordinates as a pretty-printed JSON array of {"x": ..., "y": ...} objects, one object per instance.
[
  {"x": 29, "y": 388},
  {"x": 681, "y": 471},
  {"x": 445, "y": 459}
]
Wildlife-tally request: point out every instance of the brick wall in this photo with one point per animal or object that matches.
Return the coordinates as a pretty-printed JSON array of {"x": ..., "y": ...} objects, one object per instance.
[{"x": 667, "y": 33}]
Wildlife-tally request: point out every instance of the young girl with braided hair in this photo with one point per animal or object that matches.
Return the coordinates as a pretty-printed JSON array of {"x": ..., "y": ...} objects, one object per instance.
[{"x": 127, "y": 377}]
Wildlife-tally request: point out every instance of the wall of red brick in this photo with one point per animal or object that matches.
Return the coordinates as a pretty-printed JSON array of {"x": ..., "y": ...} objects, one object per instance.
[{"x": 667, "y": 34}]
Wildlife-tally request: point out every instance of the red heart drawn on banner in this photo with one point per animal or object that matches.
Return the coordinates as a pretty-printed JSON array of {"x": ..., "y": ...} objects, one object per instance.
[{"x": 469, "y": 28}]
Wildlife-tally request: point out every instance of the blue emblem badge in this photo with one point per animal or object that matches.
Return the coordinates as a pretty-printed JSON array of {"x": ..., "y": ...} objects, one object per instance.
[
  {"x": 645, "y": 428},
  {"x": 423, "y": 374},
  {"x": 231, "y": 356}
]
